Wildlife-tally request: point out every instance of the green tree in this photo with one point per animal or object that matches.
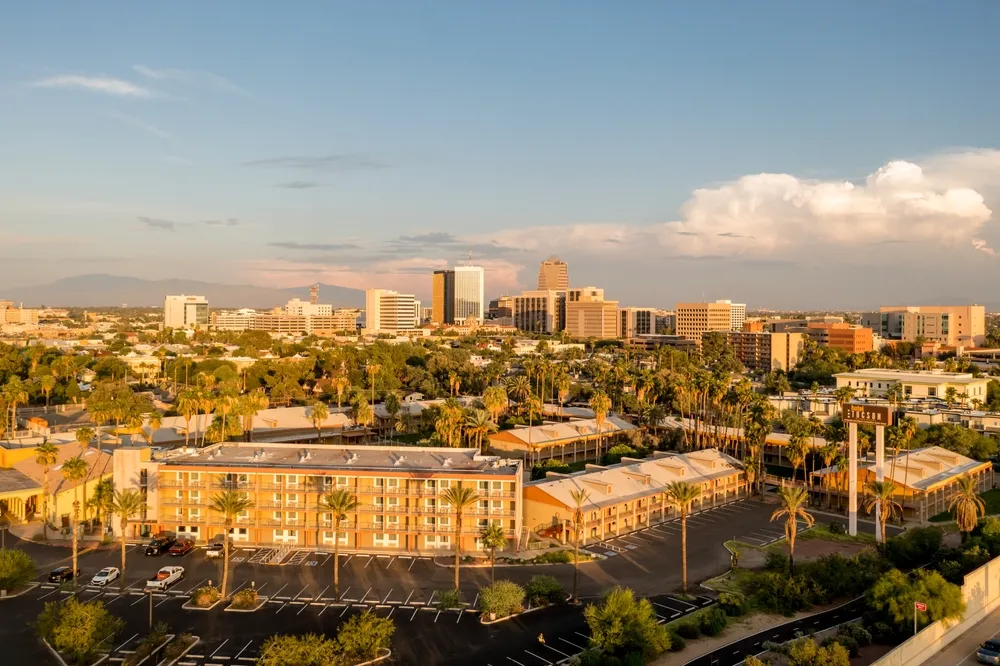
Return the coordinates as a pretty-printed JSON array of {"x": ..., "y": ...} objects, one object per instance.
[
  {"x": 187, "y": 406},
  {"x": 493, "y": 538},
  {"x": 16, "y": 568},
  {"x": 479, "y": 425},
  {"x": 341, "y": 503},
  {"x": 78, "y": 630},
  {"x": 967, "y": 505},
  {"x": 807, "y": 652},
  {"x": 46, "y": 456},
  {"x": 792, "y": 509},
  {"x": 75, "y": 471},
  {"x": 879, "y": 497},
  {"x": 126, "y": 504},
  {"x": 14, "y": 393},
  {"x": 304, "y": 650},
  {"x": 580, "y": 498},
  {"x": 895, "y": 593},
  {"x": 47, "y": 383},
  {"x": 461, "y": 499},
  {"x": 364, "y": 636},
  {"x": 495, "y": 401},
  {"x": 229, "y": 504},
  {"x": 683, "y": 495},
  {"x": 621, "y": 626},
  {"x": 318, "y": 415},
  {"x": 502, "y": 598}
]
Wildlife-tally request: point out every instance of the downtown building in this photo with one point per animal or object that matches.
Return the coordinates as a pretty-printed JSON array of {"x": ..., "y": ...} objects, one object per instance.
[
  {"x": 553, "y": 274},
  {"x": 949, "y": 325},
  {"x": 457, "y": 294},
  {"x": 589, "y": 315},
  {"x": 400, "y": 493},
  {"x": 388, "y": 311},
  {"x": 183, "y": 311},
  {"x": 541, "y": 311},
  {"x": 767, "y": 352},
  {"x": 636, "y": 321},
  {"x": 696, "y": 319}
]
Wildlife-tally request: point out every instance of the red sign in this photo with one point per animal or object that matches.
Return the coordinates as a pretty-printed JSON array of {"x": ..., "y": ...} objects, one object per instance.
[{"x": 919, "y": 605}]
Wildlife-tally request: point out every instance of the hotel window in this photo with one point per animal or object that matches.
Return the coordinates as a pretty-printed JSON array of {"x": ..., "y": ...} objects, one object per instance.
[
  {"x": 276, "y": 515},
  {"x": 498, "y": 485},
  {"x": 932, "y": 392},
  {"x": 498, "y": 505},
  {"x": 195, "y": 514},
  {"x": 194, "y": 496},
  {"x": 276, "y": 498},
  {"x": 378, "y": 482},
  {"x": 393, "y": 502},
  {"x": 384, "y": 540},
  {"x": 194, "y": 477},
  {"x": 276, "y": 479},
  {"x": 392, "y": 520},
  {"x": 444, "y": 521},
  {"x": 378, "y": 522},
  {"x": 430, "y": 484},
  {"x": 327, "y": 481},
  {"x": 243, "y": 516},
  {"x": 292, "y": 499},
  {"x": 430, "y": 504},
  {"x": 907, "y": 390},
  {"x": 484, "y": 522},
  {"x": 429, "y": 520},
  {"x": 484, "y": 505},
  {"x": 379, "y": 503},
  {"x": 484, "y": 486},
  {"x": 292, "y": 516},
  {"x": 342, "y": 482},
  {"x": 292, "y": 480},
  {"x": 180, "y": 494},
  {"x": 444, "y": 483},
  {"x": 392, "y": 483}
]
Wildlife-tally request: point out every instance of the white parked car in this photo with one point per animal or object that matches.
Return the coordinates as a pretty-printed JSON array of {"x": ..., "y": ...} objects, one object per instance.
[
  {"x": 105, "y": 576},
  {"x": 165, "y": 577}
]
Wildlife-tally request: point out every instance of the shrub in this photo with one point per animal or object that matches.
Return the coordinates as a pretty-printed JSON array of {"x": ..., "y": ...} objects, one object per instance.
[
  {"x": 856, "y": 631},
  {"x": 448, "y": 599},
  {"x": 839, "y": 576},
  {"x": 303, "y": 650},
  {"x": 622, "y": 626},
  {"x": 688, "y": 629},
  {"x": 677, "y": 643},
  {"x": 245, "y": 599},
  {"x": 914, "y": 548},
  {"x": 712, "y": 621},
  {"x": 783, "y": 594},
  {"x": 205, "y": 596},
  {"x": 502, "y": 598},
  {"x": 77, "y": 630},
  {"x": 881, "y": 632},
  {"x": 550, "y": 465},
  {"x": 734, "y": 605},
  {"x": 542, "y": 590},
  {"x": 363, "y": 636},
  {"x": 16, "y": 568},
  {"x": 148, "y": 644},
  {"x": 775, "y": 560},
  {"x": 836, "y": 527},
  {"x": 176, "y": 647},
  {"x": 895, "y": 593},
  {"x": 806, "y": 652},
  {"x": 555, "y": 557}
]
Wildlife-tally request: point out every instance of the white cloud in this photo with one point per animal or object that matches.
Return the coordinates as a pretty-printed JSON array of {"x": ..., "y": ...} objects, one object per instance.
[
  {"x": 149, "y": 128},
  {"x": 982, "y": 246},
  {"x": 100, "y": 84},
  {"x": 197, "y": 78}
]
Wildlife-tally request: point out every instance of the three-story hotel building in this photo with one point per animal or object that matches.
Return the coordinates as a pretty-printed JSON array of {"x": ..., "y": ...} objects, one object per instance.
[{"x": 400, "y": 494}]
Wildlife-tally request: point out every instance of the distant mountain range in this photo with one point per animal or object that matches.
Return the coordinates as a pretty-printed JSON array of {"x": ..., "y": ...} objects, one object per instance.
[{"x": 113, "y": 290}]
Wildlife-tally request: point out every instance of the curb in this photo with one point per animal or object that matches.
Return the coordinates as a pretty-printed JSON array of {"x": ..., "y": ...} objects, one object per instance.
[
  {"x": 388, "y": 653},
  {"x": 189, "y": 606},
  {"x": 164, "y": 662},
  {"x": 28, "y": 587},
  {"x": 262, "y": 601}
]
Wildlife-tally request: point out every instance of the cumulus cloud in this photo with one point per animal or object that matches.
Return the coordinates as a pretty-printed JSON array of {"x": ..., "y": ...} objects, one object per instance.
[{"x": 99, "y": 84}]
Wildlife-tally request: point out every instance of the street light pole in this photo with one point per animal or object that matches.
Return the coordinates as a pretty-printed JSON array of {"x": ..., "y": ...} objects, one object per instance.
[{"x": 151, "y": 611}]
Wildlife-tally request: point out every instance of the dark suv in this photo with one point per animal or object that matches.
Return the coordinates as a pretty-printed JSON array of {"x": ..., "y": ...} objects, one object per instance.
[
  {"x": 62, "y": 574},
  {"x": 160, "y": 545}
]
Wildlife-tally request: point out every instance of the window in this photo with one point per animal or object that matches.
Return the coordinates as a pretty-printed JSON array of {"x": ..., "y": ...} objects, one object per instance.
[
  {"x": 498, "y": 505},
  {"x": 392, "y": 520},
  {"x": 484, "y": 505},
  {"x": 932, "y": 392},
  {"x": 444, "y": 521},
  {"x": 444, "y": 483},
  {"x": 194, "y": 496},
  {"x": 276, "y": 498},
  {"x": 292, "y": 480},
  {"x": 243, "y": 517},
  {"x": 194, "y": 477},
  {"x": 430, "y": 484},
  {"x": 195, "y": 514},
  {"x": 429, "y": 520},
  {"x": 907, "y": 390},
  {"x": 292, "y": 517},
  {"x": 386, "y": 540},
  {"x": 379, "y": 482},
  {"x": 342, "y": 482},
  {"x": 277, "y": 479},
  {"x": 484, "y": 486},
  {"x": 292, "y": 499},
  {"x": 276, "y": 515},
  {"x": 341, "y": 538},
  {"x": 392, "y": 483},
  {"x": 430, "y": 504},
  {"x": 393, "y": 502}
]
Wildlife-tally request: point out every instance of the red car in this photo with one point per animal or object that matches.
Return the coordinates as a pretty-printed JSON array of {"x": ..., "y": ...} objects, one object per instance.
[{"x": 181, "y": 548}]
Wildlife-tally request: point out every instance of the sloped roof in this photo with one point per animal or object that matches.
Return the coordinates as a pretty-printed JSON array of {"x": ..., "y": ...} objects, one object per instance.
[
  {"x": 551, "y": 433},
  {"x": 920, "y": 469}
]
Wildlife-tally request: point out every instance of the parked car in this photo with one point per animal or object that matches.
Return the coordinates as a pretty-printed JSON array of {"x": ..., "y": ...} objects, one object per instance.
[
  {"x": 160, "y": 545},
  {"x": 62, "y": 574},
  {"x": 989, "y": 652},
  {"x": 165, "y": 577},
  {"x": 105, "y": 576},
  {"x": 181, "y": 547},
  {"x": 215, "y": 550}
]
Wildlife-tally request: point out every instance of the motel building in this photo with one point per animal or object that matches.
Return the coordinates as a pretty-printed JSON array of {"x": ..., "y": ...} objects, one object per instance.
[
  {"x": 630, "y": 495},
  {"x": 399, "y": 492},
  {"x": 569, "y": 441}
]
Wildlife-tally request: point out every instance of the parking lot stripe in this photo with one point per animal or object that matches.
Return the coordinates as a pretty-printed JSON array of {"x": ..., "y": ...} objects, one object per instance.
[
  {"x": 323, "y": 563},
  {"x": 345, "y": 593},
  {"x": 300, "y": 592},
  {"x": 346, "y": 608},
  {"x": 195, "y": 586},
  {"x": 164, "y": 601},
  {"x": 537, "y": 657},
  {"x": 555, "y": 650},
  {"x": 275, "y": 595},
  {"x": 412, "y": 562},
  {"x": 240, "y": 587},
  {"x": 415, "y": 610},
  {"x": 370, "y": 558},
  {"x": 364, "y": 597},
  {"x": 408, "y": 597},
  {"x": 431, "y": 600},
  {"x": 387, "y": 596},
  {"x": 681, "y": 601},
  {"x": 125, "y": 643},
  {"x": 578, "y": 647},
  {"x": 243, "y": 650},
  {"x": 304, "y": 606},
  {"x": 320, "y": 595},
  {"x": 389, "y": 563},
  {"x": 515, "y": 661},
  {"x": 212, "y": 656}
]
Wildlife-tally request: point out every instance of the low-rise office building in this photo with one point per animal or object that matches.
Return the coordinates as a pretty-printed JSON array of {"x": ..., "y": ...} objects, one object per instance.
[
  {"x": 630, "y": 495},
  {"x": 400, "y": 493},
  {"x": 916, "y": 383}
]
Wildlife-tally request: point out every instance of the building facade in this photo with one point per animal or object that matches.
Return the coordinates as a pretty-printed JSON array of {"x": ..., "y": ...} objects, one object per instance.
[
  {"x": 17, "y": 316},
  {"x": 767, "y": 352},
  {"x": 589, "y": 315},
  {"x": 951, "y": 325},
  {"x": 183, "y": 311},
  {"x": 694, "y": 319},
  {"x": 470, "y": 290},
  {"x": 553, "y": 274},
  {"x": 636, "y": 321},
  {"x": 501, "y": 308},
  {"x": 400, "y": 493},
  {"x": 388, "y": 311},
  {"x": 844, "y": 337},
  {"x": 540, "y": 311},
  {"x": 876, "y": 382},
  {"x": 737, "y": 314},
  {"x": 443, "y": 297}
]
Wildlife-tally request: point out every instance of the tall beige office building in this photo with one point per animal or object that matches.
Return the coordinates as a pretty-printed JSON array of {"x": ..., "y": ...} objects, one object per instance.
[
  {"x": 951, "y": 325},
  {"x": 694, "y": 319},
  {"x": 588, "y": 315},
  {"x": 553, "y": 274}
]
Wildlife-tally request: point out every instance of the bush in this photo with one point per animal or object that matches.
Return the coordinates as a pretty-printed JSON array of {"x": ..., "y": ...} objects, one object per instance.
[
  {"x": 845, "y": 642},
  {"x": 677, "y": 643},
  {"x": 624, "y": 627},
  {"x": 176, "y": 647},
  {"x": 840, "y": 576},
  {"x": 856, "y": 631},
  {"x": 836, "y": 527},
  {"x": 914, "y": 548},
  {"x": 245, "y": 599},
  {"x": 689, "y": 630},
  {"x": 302, "y": 650},
  {"x": 78, "y": 630},
  {"x": 734, "y": 605},
  {"x": 712, "y": 621},
  {"x": 448, "y": 599},
  {"x": 882, "y": 633},
  {"x": 550, "y": 465},
  {"x": 775, "y": 560},
  {"x": 895, "y": 593},
  {"x": 363, "y": 636},
  {"x": 16, "y": 568},
  {"x": 205, "y": 596},
  {"x": 542, "y": 590},
  {"x": 148, "y": 644},
  {"x": 806, "y": 652},
  {"x": 502, "y": 598},
  {"x": 555, "y": 557},
  {"x": 783, "y": 594}
]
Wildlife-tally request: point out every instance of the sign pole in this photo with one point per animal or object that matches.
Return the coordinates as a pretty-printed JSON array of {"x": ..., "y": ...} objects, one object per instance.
[
  {"x": 879, "y": 475},
  {"x": 852, "y": 479}
]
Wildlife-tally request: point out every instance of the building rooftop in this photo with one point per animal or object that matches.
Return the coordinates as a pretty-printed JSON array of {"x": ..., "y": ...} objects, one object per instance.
[
  {"x": 915, "y": 376},
  {"x": 12, "y": 481},
  {"x": 99, "y": 464},
  {"x": 330, "y": 457},
  {"x": 552, "y": 433},
  {"x": 926, "y": 468}
]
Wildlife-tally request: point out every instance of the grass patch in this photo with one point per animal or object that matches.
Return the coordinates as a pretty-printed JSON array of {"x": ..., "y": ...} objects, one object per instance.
[
  {"x": 990, "y": 497},
  {"x": 823, "y": 532},
  {"x": 735, "y": 581},
  {"x": 739, "y": 546}
]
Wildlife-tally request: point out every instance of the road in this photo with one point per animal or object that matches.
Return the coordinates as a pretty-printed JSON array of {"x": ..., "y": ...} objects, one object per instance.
[{"x": 962, "y": 650}]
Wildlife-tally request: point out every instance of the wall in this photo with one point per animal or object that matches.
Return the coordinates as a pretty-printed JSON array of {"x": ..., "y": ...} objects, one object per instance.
[{"x": 981, "y": 592}]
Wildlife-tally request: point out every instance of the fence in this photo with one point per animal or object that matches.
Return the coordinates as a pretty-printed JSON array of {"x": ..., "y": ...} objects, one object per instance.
[{"x": 981, "y": 592}]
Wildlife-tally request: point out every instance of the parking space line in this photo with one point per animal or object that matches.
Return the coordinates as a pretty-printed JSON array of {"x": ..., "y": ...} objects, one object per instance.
[
  {"x": 431, "y": 600},
  {"x": 387, "y": 596},
  {"x": 578, "y": 647},
  {"x": 555, "y": 650},
  {"x": 218, "y": 648},
  {"x": 370, "y": 558},
  {"x": 125, "y": 643},
  {"x": 138, "y": 601},
  {"x": 681, "y": 601},
  {"x": 542, "y": 658},
  {"x": 412, "y": 562},
  {"x": 346, "y": 608},
  {"x": 345, "y": 593},
  {"x": 364, "y": 597},
  {"x": 389, "y": 563},
  {"x": 323, "y": 563},
  {"x": 304, "y": 588},
  {"x": 195, "y": 586},
  {"x": 408, "y": 597},
  {"x": 515, "y": 661},
  {"x": 415, "y": 610},
  {"x": 320, "y": 595},
  {"x": 242, "y": 585},
  {"x": 164, "y": 601},
  {"x": 304, "y": 606},
  {"x": 348, "y": 558},
  {"x": 582, "y": 635},
  {"x": 243, "y": 650}
]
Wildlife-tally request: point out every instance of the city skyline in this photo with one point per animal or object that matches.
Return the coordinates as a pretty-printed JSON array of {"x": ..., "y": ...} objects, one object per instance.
[{"x": 287, "y": 166}]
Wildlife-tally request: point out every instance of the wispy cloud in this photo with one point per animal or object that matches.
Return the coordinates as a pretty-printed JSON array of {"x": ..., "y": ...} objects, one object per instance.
[
  {"x": 228, "y": 222},
  {"x": 431, "y": 238},
  {"x": 158, "y": 224},
  {"x": 321, "y": 163},
  {"x": 298, "y": 185},
  {"x": 197, "y": 78},
  {"x": 322, "y": 247},
  {"x": 149, "y": 128},
  {"x": 98, "y": 84},
  {"x": 983, "y": 247}
]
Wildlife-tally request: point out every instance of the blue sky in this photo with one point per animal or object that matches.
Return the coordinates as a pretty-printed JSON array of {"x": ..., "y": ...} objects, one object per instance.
[{"x": 666, "y": 151}]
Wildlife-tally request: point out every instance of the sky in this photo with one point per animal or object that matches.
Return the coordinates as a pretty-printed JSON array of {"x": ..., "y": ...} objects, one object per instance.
[{"x": 782, "y": 154}]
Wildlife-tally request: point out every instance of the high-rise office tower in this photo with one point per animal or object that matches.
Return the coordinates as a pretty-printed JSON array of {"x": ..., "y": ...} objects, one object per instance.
[
  {"x": 183, "y": 311},
  {"x": 443, "y": 297},
  {"x": 457, "y": 294},
  {"x": 553, "y": 274},
  {"x": 589, "y": 315},
  {"x": 387, "y": 311}
]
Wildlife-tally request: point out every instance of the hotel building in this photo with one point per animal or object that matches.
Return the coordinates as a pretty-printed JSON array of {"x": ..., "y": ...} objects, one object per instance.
[
  {"x": 766, "y": 352},
  {"x": 400, "y": 493},
  {"x": 694, "y": 319}
]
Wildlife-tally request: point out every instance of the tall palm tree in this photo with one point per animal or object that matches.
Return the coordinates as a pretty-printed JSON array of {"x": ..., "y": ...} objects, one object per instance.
[
  {"x": 47, "y": 383},
  {"x": 250, "y": 404},
  {"x": 206, "y": 403},
  {"x": 126, "y": 504},
  {"x": 683, "y": 494},
  {"x": 478, "y": 425},
  {"x": 967, "y": 505},
  {"x": 187, "y": 407},
  {"x": 45, "y": 456},
  {"x": 580, "y": 498},
  {"x": 229, "y": 503},
  {"x": 878, "y": 495},
  {"x": 340, "y": 502},
  {"x": 74, "y": 471},
  {"x": 495, "y": 401},
  {"x": 341, "y": 384},
  {"x": 372, "y": 369},
  {"x": 83, "y": 436},
  {"x": 318, "y": 415},
  {"x": 795, "y": 452},
  {"x": 793, "y": 502},
  {"x": 519, "y": 388},
  {"x": 14, "y": 394},
  {"x": 460, "y": 498},
  {"x": 600, "y": 403},
  {"x": 493, "y": 538}
]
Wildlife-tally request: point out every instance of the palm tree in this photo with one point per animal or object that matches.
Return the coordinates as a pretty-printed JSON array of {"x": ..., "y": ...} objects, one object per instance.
[
  {"x": 250, "y": 404},
  {"x": 372, "y": 369},
  {"x": 14, "y": 394},
  {"x": 495, "y": 401},
  {"x": 363, "y": 412},
  {"x": 519, "y": 388},
  {"x": 187, "y": 407},
  {"x": 74, "y": 471},
  {"x": 950, "y": 395},
  {"x": 600, "y": 403},
  {"x": 967, "y": 505},
  {"x": 878, "y": 497},
  {"x": 683, "y": 494},
  {"x": 318, "y": 414},
  {"x": 126, "y": 504},
  {"x": 340, "y": 502},
  {"x": 793, "y": 500},
  {"x": 460, "y": 498},
  {"x": 795, "y": 452},
  {"x": 83, "y": 436},
  {"x": 478, "y": 425},
  {"x": 580, "y": 497},
  {"x": 229, "y": 503},
  {"x": 341, "y": 384},
  {"x": 206, "y": 403},
  {"x": 45, "y": 456},
  {"x": 47, "y": 383},
  {"x": 493, "y": 538}
]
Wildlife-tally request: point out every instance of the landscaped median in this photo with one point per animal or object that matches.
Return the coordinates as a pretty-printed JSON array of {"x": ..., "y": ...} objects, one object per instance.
[
  {"x": 179, "y": 646},
  {"x": 16, "y": 572},
  {"x": 505, "y": 599},
  {"x": 246, "y": 601},
  {"x": 204, "y": 598}
]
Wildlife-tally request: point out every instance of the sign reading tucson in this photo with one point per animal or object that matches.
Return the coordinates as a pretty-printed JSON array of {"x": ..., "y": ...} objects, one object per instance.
[{"x": 871, "y": 414}]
